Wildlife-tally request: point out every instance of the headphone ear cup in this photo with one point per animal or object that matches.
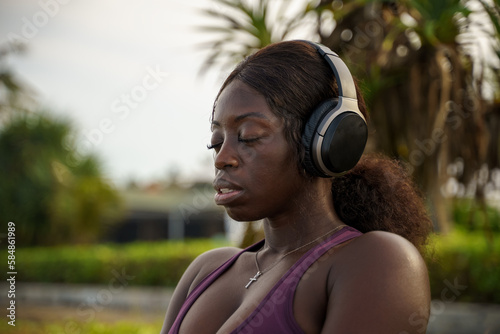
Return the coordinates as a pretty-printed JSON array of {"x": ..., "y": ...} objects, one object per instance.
[
  {"x": 310, "y": 132},
  {"x": 344, "y": 142}
]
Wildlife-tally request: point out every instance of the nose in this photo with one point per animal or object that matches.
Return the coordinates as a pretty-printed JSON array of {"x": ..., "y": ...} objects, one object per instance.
[{"x": 226, "y": 157}]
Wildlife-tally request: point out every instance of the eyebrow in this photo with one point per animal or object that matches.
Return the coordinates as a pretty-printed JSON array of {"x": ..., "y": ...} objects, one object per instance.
[{"x": 239, "y": 118}]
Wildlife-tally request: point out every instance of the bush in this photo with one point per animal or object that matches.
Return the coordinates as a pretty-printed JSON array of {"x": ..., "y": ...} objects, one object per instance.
[
  {"x": 465, "y": 266},
  {"x": 140, "y": 263},
  {"x": 472, "y": 215}
]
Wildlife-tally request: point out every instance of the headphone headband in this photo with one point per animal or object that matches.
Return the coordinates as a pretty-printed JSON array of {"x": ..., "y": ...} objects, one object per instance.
[
  {"x": 342, "y": 74},
  {"x": 335, "y": 134}
]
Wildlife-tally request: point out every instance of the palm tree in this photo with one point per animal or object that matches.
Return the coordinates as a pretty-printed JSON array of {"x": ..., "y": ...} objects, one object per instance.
[
  {"x": 424, "y": 92},
  {"x": 242, "y": 27},
  {"x": 419, "y": 76}
]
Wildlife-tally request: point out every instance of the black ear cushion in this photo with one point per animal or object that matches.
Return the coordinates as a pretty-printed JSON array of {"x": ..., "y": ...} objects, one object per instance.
[
  {"x": 344, "y": 142},
  {"x": 309, "y": 131}
]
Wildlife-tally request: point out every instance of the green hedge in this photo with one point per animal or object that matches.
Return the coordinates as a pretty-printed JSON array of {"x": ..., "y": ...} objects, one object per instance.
[
  {"x": 140, "y": 263},
  {"x": 464, "y": 265}
]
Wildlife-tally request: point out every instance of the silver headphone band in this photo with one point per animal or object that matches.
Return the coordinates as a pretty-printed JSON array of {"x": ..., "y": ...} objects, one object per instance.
[{"x": 346, "y": 84}]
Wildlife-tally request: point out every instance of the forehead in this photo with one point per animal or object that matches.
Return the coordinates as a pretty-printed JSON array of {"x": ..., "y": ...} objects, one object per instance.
[{"x": 238, "y": 101}]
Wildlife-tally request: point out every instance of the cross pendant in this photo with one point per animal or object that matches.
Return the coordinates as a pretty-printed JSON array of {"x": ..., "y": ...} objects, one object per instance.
[{"x": 253, "y": 279}]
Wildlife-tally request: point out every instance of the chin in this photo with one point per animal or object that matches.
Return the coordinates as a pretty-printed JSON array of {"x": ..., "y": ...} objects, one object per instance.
[{"x": 242, "y": 215}]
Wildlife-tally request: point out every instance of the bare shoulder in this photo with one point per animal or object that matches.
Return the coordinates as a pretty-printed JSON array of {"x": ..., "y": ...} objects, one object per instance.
[
  {"x": 384, "y": 256},
  {"x": 202, "y": 266},
  {"x": 207, "y": 262},
  {"x": 376, "y": 245},
  {"x": 380, "y": 277}
]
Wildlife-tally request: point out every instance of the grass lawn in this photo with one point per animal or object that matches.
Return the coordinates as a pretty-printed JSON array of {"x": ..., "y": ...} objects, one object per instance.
[{"x": 67, "y": 320}]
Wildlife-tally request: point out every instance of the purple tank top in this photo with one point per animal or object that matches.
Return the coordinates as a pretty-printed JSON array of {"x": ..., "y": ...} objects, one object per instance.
[{"x": 275, "y": 312}]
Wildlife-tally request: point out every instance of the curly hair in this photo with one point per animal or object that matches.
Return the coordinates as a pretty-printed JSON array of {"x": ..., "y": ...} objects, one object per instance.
[{"x": 377, "y": 194}]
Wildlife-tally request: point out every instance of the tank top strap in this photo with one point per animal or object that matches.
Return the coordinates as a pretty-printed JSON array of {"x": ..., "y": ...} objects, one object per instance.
[
  {"x": 205, "y": 283},
  {"x": 275, "y": 313}
]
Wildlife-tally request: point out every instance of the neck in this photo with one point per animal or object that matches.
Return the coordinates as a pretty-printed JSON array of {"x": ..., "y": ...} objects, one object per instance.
[
  {"x": 284, "y": 238},
  {"x": 312, "y": 217}
]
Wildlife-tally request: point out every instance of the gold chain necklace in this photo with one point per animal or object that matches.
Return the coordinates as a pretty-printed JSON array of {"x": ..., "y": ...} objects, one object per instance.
[{"x": 261, "y": 272}]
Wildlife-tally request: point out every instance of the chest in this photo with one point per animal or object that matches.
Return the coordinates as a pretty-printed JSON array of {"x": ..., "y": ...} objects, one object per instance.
[{"x": 226, "y": 303}]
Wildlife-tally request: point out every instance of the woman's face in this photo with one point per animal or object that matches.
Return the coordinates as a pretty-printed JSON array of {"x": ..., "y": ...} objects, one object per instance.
[{"x": 256, "y": 171}]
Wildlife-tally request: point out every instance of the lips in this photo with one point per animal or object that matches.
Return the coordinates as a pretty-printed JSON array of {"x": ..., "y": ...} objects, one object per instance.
[{"x": 227, "y": 192}]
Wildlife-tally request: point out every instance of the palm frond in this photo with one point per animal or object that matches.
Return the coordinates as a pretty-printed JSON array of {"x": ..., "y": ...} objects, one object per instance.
[{"x": 247, "y": 22}]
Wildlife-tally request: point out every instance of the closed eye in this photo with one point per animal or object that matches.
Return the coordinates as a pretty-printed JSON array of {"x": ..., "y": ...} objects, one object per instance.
[
  {"x": 241, "y": 140},
  {"x": 213, "y": 146},
  {"x": 248, "y": 140}
]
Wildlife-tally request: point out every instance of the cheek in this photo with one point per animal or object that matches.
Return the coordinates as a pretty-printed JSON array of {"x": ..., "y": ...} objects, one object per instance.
[
  {"x": 278, "y": 171},
  {"x": 248, "y": 154},
  {"x": 284, "y": 157}
]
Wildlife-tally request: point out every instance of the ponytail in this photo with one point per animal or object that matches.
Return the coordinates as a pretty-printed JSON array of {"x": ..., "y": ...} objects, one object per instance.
[{"x": 378, "y": 194}]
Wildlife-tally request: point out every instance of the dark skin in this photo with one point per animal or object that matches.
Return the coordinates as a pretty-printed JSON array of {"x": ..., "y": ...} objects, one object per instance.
[{"x": 376, "y": 283}]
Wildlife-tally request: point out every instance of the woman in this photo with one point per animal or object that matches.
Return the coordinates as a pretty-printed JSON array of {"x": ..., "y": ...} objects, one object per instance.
[{"x": 340, "y": 255}]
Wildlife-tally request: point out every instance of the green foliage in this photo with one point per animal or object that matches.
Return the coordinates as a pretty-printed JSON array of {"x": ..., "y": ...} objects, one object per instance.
[
  {"x": 438, "y": 20},
  {"x": 469, "y": 261},
  {"x": 52, "y": 193},
  {"x": 143, "y": 263},
  {"x": 472, "y": 215},
  {"x": 244, "y": 27}
]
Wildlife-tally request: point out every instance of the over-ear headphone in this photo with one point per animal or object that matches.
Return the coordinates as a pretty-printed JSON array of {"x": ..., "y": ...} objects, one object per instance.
[{"x": 335, "y": 134}]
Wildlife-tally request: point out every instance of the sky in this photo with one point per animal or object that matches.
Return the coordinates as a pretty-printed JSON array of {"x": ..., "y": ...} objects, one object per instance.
[{"x": 126, "y": 74}]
